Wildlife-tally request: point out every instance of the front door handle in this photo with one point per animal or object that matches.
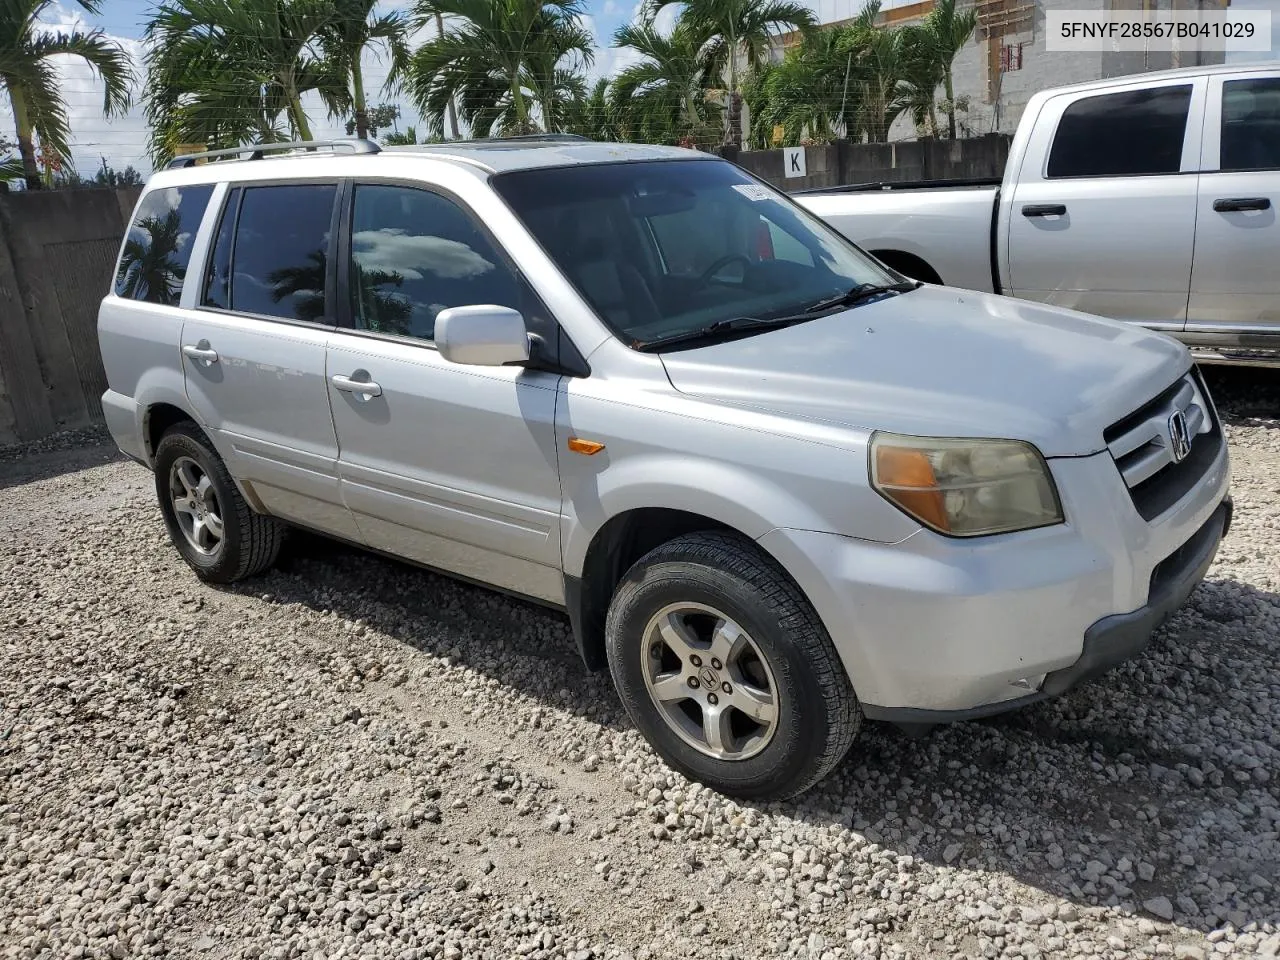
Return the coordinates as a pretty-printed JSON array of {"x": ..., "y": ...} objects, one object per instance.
[
  {"x": 1044, "y": 210},
  {"x": 367, "y": 388},
  {"x": 1242, "y": 203},
  {"x": 200, "y": 353}
]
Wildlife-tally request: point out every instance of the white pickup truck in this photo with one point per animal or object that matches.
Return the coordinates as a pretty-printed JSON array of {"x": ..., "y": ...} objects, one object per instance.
[{"x": 1149, "y": 198}]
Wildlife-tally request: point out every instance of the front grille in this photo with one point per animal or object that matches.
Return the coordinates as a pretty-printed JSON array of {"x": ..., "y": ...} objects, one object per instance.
[{"x": 1142, "y": 446}]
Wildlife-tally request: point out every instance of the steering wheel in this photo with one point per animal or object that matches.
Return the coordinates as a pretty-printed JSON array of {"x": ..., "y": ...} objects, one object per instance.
[{"x": 719, "y": 265}]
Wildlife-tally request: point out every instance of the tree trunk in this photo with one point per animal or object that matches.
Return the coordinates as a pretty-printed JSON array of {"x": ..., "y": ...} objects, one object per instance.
[
  {"x": 733, "y": 136},
  {"x": 951, "y": 103},
  {"x": 357, "y": 90},
  {"x": 302, "y": 129},
  {"x": 452, "y": 111},
  {"x": 26, "y": 147},
  {"x": 517, "y": 101}
]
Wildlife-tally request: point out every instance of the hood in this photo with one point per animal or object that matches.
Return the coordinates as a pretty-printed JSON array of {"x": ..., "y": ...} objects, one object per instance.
[{"x": 944, "y": 362}]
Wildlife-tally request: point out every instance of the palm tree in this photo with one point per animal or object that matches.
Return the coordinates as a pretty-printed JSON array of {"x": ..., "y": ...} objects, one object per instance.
[
  {"x": 594, "y": 115},
  {"x": 502, "y": 61},
  {"x": 344, "y": 41},
  {"x": 223, "y": 72},
  {"x": 807, "y": 93},
  {"x": 398, "y": 139},
  {"x": 880, "y": 88},
  {"x": 663, "y": 97},
  {"x": 922, "y": 78},
  {"x": 27, "y": 73},
  {"x": 452, "y": 110},
  {"x": 943, "y": 31},
  {"x": 739, "y": 27}
]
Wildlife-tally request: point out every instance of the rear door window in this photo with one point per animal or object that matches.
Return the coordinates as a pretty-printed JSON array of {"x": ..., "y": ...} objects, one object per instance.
[
  {"x": 279, "y": 257},
  {"x": 157, "y": 250},
  {"x": 1132, "y": 133},
  {"x": 1251, "y": 124}
]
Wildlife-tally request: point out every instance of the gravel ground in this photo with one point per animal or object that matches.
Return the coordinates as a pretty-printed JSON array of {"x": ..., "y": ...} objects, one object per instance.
[{"x": 350, "y": 757}]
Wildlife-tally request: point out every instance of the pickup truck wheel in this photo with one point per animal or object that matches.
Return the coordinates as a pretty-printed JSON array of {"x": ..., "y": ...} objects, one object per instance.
[
  {"x": 727, "y": 671},
  {"x": 219, "y": 535}
]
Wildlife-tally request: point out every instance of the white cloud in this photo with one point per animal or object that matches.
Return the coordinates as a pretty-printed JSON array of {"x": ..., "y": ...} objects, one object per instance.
[{"x": 394, "y": 251}]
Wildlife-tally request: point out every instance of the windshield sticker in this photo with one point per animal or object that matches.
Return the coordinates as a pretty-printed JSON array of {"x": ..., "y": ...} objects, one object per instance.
[{"x": 753, "y": 191}]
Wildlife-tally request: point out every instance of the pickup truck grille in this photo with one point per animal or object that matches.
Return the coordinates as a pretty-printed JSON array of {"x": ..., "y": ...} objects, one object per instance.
[{"x": 1144, "y": 444}]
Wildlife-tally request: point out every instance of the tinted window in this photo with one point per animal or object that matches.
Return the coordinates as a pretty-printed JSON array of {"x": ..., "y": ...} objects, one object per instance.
[
  {"x": 281, "y": 247},
  {"x": 218, "y": 284},
  {"x": 600, "y": 224},
  {"x": 1251, "y": 124},
  {"x": 1122, "y": 134},
  {"x": 414, "y": 253},
  {"x": 157, "y": 250},
  {"x": 694, "y": 239}
]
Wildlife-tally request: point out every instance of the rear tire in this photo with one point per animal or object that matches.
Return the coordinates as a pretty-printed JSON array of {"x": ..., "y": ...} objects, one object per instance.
[
  {"x": 772, "y": 710},
  {"x": 217, "y": 533}
]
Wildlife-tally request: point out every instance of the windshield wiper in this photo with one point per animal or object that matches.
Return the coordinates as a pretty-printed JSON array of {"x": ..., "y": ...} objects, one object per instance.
[
  {"x": 722, "y": 328},
  {"x": 863, "y": 291}
]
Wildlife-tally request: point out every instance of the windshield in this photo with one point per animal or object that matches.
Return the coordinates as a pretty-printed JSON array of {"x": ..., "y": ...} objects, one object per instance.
[{"x": 665, "y": 248}]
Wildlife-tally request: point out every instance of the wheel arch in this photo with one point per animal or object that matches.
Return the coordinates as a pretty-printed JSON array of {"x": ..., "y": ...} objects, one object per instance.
[
  {"x": 613, "y": 549},
  {"x": 910, "y": 264},
  {"x": 157, "y": 418}
]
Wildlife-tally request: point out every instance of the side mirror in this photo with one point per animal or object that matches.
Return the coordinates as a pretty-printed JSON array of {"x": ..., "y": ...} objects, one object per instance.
[{"x": 482, "y": 334}]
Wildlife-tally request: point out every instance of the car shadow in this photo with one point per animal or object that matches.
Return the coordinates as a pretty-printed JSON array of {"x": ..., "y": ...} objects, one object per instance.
[
  {"x": 1245, "y": 396},
  {"x": 57, "y": 455},
  {"x": 1141, "y": 785}
]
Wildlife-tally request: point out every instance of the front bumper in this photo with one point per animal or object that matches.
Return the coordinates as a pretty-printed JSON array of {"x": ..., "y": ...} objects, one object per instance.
[
  {"x": 934, "y": 629},
  {"x": 1111, "y": 640}
]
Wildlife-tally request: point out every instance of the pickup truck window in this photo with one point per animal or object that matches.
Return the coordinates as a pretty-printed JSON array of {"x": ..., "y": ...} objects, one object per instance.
[
  {"x": 1250, "y": 124},
  {"x": 599, "y": 224},
  {"x": 1132, "y": 133},
  {"x": 157, "y": 251}
]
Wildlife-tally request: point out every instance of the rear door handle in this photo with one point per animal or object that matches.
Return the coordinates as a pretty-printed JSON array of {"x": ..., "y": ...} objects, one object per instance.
[
  {"x": 199, "y": 353},
  {"x": 1242, "y": 203},
  {"x": 1044, "y": 210},
  {"x": 366, "y": 387}
]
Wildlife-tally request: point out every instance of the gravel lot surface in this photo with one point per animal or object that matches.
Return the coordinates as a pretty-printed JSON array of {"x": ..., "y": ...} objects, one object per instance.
[{"x": 350, "y": 757}]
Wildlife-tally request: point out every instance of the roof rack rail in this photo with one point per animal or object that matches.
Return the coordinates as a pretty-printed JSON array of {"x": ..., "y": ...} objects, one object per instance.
[
  {"x": 257, "y": 150},
  {"x": 522, "y": 138}
]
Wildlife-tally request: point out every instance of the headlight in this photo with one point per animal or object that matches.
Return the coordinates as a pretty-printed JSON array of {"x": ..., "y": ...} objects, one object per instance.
[{"x": 965, "y": 488}]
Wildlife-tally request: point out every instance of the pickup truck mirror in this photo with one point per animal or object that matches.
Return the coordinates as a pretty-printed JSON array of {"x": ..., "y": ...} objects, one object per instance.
[{"x": 483, "y": 334}]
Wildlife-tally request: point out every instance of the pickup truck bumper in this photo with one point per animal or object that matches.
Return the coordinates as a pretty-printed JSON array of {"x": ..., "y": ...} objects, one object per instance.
[{"x": 934, "y": 629}]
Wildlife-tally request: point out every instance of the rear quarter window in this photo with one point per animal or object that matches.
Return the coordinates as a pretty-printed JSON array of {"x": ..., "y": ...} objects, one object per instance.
[{"x": 157, "y": 249}]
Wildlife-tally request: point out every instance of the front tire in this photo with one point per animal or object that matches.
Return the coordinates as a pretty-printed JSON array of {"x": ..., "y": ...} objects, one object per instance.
[
  {"x": 727, "y": 671},
  {"x": 217, "y": 533}
]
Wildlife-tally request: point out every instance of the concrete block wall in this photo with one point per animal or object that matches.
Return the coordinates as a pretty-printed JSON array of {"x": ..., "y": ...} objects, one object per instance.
[
  {"x": 843, "y": 162},
  {"x": 57, "y": 251}
]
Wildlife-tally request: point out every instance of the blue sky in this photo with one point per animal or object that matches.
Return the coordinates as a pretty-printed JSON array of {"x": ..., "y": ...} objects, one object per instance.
[{"x": 123, "y": 141}]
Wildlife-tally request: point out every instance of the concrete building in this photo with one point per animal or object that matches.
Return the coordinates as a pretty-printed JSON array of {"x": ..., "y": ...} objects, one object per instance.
[{"x": 1006, "y": 61}]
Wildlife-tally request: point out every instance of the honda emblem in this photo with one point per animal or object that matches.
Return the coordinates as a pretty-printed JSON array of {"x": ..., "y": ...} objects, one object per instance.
[{"x": 1179, "y": 436}]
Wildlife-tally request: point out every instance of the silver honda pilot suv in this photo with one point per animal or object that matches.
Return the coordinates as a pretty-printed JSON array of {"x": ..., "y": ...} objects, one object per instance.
[{"x": 777, "y": 487}]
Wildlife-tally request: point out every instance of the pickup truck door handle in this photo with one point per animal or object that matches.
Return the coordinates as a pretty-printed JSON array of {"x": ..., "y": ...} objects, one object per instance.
[
  {"x": 199, "y": 353},
  {"x": 1242, "y": 203},
  {"x": 1044, "y": 210},
  {"x": 363, "y": 388}
]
